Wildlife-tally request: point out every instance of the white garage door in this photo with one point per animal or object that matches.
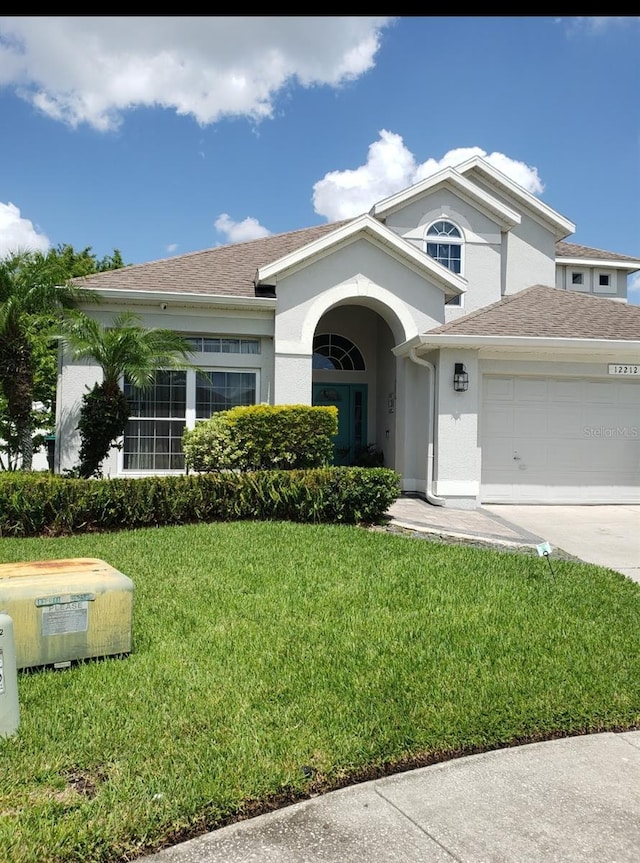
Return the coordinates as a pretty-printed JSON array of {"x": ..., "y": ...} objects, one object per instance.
[{"x": 560, "y": 440}]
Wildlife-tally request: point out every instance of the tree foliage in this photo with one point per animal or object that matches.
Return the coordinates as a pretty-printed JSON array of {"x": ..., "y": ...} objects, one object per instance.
[{"x": 35, "y": 288}]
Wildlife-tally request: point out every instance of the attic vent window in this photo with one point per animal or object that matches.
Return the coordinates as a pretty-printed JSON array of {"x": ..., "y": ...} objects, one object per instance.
[
  {"x": 577, "y": 278},
  {"x": 444, "y": 244},
  {"x": 605, "y": 284}
]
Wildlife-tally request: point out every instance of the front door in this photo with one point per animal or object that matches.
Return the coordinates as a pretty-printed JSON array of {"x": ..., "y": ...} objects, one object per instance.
[{"x": 351, "y": 401}]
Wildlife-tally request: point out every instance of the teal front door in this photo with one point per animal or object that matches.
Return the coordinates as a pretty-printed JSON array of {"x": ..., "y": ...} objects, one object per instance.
[{"x": 351, "y": 401}]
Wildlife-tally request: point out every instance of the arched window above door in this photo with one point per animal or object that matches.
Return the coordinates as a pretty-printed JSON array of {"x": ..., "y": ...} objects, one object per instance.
[{"x": 336, "y": 353}]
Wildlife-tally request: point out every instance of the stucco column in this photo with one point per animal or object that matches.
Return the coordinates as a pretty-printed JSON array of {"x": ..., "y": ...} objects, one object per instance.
[
  {"x": 412, "y": 408},
  {"x": 74, "y": 380},
  {"x": 292, "y": 379},
  {"x": 458, "y": 455}
]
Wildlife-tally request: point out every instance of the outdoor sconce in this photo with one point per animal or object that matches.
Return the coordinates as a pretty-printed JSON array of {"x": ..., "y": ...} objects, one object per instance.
[{"x": 460, "y": 378}]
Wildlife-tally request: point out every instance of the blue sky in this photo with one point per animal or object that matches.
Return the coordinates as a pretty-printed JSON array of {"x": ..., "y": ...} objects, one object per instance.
[{"x": 161, "y": 136}]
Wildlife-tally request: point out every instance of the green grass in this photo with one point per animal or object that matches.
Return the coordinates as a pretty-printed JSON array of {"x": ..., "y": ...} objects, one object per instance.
[{"x": 263, "y": 648}]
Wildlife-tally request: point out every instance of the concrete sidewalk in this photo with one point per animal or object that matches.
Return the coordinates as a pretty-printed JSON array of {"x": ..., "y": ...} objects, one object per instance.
[{"x": 574, "y": 800}]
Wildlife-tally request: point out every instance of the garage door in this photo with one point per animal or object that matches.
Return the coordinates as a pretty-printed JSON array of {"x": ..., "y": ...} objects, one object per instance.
[{"x": 560, "y": 440}]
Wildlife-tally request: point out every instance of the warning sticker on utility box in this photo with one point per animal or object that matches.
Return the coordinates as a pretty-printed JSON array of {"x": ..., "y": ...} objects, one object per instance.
[{"x": 65, "y": 617}]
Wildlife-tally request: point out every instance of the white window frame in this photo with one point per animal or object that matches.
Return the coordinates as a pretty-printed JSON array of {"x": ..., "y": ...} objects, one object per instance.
[
  {"x": 606, "y": 289},
  {"x": 446, "y": 240},
  {"x": 456, "y": 302},
  {"x": 190, "y": 413},
  {"x": 584, "y": 288}
]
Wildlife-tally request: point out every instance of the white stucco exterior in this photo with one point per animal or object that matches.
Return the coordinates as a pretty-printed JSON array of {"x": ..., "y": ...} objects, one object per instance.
[{"x": 369, "y": 289}]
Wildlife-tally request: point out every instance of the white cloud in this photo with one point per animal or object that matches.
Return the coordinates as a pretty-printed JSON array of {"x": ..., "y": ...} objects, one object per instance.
[
  {"x": 390, "y": 166},
  {"x": 240, "y": 232},
  {"x": 92, "y": 69},
  {"x": 171, "y": 248},
  {"x": 633, "y": 289},
  {"x": 18, "y": 234}
]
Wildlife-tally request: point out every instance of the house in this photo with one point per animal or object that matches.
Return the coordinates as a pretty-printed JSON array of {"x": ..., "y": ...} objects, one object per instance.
[{"x": 453, "y": 325}]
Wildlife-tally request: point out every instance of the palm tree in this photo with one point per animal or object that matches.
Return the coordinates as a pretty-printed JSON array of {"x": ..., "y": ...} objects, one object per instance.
[
  {"x": 124, "y": 349},
  {"x": 33, "y": 291}
]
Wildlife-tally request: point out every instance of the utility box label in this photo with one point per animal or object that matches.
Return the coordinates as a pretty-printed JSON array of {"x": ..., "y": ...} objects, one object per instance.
[
  {"x": 64, "y": 599},
  {"x": 66, "y": 617},
  {"x": 1, "y": 672}
]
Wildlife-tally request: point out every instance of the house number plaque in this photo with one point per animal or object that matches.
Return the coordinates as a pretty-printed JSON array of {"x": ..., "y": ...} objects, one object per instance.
[{"x": 629, "y": 369}]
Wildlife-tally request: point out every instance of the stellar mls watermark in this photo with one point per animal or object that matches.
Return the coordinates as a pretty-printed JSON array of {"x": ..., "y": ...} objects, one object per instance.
[{"x": 612, "y": 432}]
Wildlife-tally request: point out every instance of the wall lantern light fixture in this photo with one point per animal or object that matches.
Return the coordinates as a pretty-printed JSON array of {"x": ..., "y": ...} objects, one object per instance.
[{"x": 460, "y": 378}]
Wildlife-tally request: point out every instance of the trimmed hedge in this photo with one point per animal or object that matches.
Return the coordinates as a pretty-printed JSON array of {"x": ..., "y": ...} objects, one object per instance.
[
  {"x": 47, "y": 505},
  {"x": 263, "y": 437}
]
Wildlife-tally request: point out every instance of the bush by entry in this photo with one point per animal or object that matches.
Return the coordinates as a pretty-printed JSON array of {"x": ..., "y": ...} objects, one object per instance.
[{"x": 263, "y": 437}]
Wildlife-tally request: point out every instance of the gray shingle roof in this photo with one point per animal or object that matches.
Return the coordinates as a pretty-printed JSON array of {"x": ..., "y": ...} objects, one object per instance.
[
  {"x": 572, "y": 250},
  {"x": 220, "y": 271},
  {"x": 230, "y": 270},
  {"x": 549, "y": 313}
]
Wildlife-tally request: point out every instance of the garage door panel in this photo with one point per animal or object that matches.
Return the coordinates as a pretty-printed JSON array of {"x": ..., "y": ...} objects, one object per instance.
[
  {"x": 499, "y": 422},
  {"x": 530, "y": 389},
  {"x": 530, "y": 455},
  {"x": 497, "y": 455},
  {"x": 530, "y": 422},
  {"x": 566, "y": 391},
  {"x": 600, "y": 391},
  {"x": 566, "y": 421},
  {"x": 575, "y": 441},
  {"x": 610, "y": 420},
  {"x": 498, "y": 389},
  {"x": 591, "y": 457}
]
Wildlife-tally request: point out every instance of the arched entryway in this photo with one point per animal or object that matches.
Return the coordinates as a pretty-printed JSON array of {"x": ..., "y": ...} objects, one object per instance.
[{"x": 354, "y": 369}]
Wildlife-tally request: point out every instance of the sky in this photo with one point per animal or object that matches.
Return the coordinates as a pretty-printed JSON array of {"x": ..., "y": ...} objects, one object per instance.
[{"x": 159, "y": 136}]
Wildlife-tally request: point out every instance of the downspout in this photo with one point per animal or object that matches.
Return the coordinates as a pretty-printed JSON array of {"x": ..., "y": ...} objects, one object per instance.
[{"x": 431, "y": 497}]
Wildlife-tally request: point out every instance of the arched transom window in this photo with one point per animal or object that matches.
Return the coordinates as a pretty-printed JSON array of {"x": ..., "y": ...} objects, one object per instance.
[
  {"x": 336, "y": 353},
  {"x": 444, "y": 244}
]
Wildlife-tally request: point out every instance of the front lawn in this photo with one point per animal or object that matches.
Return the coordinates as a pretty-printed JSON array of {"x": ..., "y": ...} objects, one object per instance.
[{"x": 275, "y": 659}]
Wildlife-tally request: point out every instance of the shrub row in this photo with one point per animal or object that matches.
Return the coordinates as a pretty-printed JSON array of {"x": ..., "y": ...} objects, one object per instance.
[{"x": 50, "y": 505}]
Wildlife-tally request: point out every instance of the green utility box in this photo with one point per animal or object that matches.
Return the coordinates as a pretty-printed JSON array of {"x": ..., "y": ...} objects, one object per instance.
[{"x": 65, "y": 610}]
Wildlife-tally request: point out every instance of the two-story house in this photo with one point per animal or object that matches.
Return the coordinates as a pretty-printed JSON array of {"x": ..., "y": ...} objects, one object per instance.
[{"x": 453, "y": 325}]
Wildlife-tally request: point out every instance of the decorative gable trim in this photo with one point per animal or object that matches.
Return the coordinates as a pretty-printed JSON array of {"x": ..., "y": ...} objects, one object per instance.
[
  {"x": 468, "y": 191},
  {"x": 370, "y": 229},
  {"x": 424, "y": 342},
  {"x": 562, "y": 227},
  {"x": 599, "y": 263},
  {"x": 120, "y": 296}
]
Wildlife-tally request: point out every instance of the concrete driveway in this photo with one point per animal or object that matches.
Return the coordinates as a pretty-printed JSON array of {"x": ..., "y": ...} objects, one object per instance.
[{"x": 605, "y": 535}]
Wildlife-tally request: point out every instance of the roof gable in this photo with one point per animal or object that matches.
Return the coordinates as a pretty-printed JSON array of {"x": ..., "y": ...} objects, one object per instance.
[
  {"x": 561, "y": 226},
  {"x": 506, "y": 217},
  {"x": 366, "y": 227}
]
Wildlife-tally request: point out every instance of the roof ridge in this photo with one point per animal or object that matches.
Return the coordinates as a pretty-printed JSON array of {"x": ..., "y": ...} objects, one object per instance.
[
  {"x": 606, "y": 252},
  {"x": 210, "y": 249}
]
